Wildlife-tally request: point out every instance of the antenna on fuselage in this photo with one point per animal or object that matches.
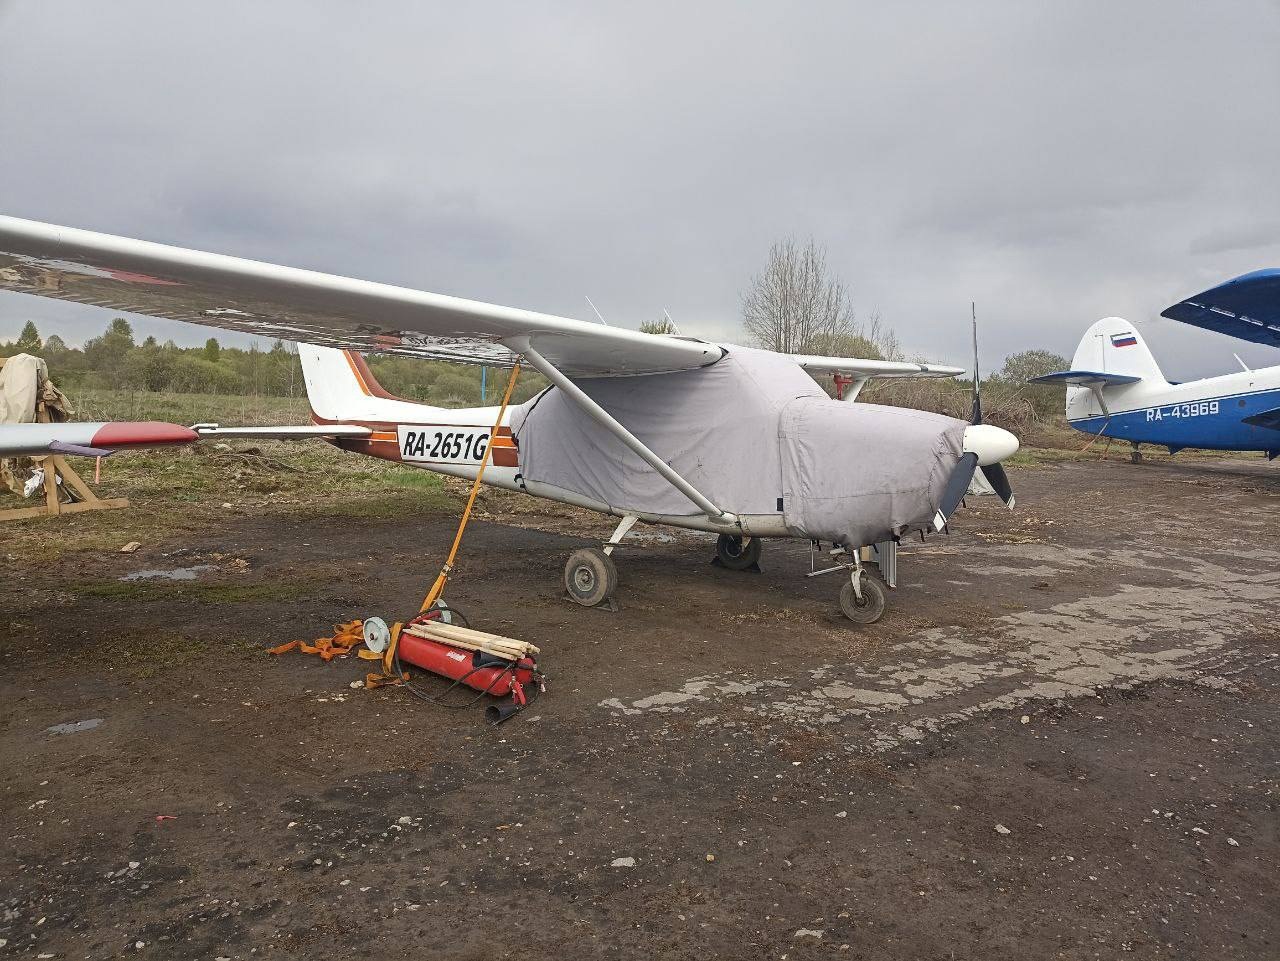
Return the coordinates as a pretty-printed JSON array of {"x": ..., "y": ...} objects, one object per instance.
[{"x": 598, "y": 314}]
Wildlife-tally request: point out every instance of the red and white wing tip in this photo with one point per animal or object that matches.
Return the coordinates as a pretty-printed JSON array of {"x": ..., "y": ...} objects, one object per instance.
[
  {"x": 89, "y": 439},
  {"x": 151, "y": 433}
]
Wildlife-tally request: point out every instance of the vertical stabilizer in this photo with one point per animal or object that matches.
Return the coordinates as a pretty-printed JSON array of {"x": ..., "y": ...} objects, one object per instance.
[
  {"x": 342, "y": 388},
  {"x": 1114, "y": 346},
  {"x": 333, "y": 386}
]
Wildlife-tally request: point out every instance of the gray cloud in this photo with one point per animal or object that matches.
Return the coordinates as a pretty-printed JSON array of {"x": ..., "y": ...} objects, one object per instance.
[{"x": 1054, "y": 162}]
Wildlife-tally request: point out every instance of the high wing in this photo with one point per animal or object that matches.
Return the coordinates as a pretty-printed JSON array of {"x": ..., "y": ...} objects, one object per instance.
[
  {"x": 1246, "y": 307},
  {"x": 302, "y": 305}
]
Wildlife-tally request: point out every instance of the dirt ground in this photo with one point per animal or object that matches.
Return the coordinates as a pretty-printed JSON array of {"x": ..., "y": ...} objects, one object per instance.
[{"x": 1061, "y": 742}]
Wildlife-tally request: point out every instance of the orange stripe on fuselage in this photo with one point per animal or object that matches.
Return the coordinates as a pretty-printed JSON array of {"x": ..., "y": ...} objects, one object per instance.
[{"x": 355, "y": 371}]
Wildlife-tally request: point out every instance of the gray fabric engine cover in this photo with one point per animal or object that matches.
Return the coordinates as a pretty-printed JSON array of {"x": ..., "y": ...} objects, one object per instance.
[
  {"x": 858, "y": 474},
  {"x": 745, "y": 431}
]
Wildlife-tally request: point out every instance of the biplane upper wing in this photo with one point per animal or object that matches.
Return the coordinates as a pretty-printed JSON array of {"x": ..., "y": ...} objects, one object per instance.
[
  {"x": 303, "y": 305},
  {"x": 1246, "y": 307}
]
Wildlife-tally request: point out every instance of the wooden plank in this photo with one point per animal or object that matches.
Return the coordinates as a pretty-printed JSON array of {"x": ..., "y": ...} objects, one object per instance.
[
  {"x": 52, "y": 502},
  {"x": 431, "y": 631},
  {"x": 99, "y": 504},
  {"x": 510, "y": 654},
  {"x": 69, "y": 475},
  {"x": 480, "y": 637}
]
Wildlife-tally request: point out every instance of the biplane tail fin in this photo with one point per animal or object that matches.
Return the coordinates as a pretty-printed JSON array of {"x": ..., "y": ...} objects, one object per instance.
[
  {"x": 1112, "y": 356},
  {"x": 341, "y": 387},
  {"x": 1114, "y": 349}
]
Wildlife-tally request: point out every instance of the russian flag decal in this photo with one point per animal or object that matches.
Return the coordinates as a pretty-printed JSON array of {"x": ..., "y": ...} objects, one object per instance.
[{"x": 1123, "y": 340}]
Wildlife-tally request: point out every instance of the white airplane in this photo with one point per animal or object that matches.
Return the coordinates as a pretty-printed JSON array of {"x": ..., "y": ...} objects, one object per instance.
[
  {"x": 1115, "y": 387},
  {"x": 652, "y": 428}
]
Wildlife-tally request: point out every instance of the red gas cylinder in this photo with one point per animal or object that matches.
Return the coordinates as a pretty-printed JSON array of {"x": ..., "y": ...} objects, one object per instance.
[{"x": 458, "y": 664}]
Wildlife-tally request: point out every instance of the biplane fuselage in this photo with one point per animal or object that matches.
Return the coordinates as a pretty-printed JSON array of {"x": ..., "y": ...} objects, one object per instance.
[{"x": 1116, "y": 389}]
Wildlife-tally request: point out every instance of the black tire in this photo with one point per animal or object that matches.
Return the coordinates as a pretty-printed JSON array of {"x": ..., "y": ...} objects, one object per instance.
[
  {"x": 737, "y": 553},
  {"x": 590, "y": 577},
  {"x": 871, "y": 608}
]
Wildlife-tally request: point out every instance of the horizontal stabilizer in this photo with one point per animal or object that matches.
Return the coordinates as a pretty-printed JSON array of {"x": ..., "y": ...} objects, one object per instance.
[
  {"x": 1246, "y": 307},
  {"x": 283, "y": 433},
  {"x": 1085, "y": 378},
  {"x": 1269, "y": 419}
]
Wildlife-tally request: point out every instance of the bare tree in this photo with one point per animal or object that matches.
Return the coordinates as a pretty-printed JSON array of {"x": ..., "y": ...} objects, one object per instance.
[{"x": 796, "y": 306}]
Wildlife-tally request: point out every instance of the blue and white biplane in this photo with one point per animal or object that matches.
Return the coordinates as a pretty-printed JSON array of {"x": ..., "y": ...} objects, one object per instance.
[{"x": 1115, "y": 388}]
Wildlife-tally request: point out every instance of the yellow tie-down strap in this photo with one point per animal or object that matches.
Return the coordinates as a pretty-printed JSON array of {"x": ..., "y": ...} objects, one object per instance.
[{"x": 437, "y": 588}]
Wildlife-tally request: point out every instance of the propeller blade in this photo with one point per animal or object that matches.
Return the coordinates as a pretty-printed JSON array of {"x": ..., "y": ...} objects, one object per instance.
[
  {"x": 957, "y": 485},
  {"x": 975, "y": 416},
  {"x": 999, "y": 481}
]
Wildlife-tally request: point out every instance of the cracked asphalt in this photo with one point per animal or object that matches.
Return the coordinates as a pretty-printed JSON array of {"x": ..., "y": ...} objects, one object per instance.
[{"x": 1061, "y": 742}]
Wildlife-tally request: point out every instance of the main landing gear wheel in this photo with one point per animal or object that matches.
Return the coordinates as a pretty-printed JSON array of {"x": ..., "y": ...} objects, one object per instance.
[
  {"x": 590, "y": 577},
  {"x": 868, "y": 610},
  {"x": 737, "y": 553}
]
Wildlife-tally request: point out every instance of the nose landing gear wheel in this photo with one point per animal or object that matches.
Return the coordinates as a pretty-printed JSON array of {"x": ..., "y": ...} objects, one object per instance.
[
  {"x": 737, "y": 553},
  {"x": 868, "y": 610},
  {"x": 590, "y": 577}
]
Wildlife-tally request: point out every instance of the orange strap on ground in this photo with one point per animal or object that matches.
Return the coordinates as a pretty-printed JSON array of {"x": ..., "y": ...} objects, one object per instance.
[{"x": 346, "y": 637}]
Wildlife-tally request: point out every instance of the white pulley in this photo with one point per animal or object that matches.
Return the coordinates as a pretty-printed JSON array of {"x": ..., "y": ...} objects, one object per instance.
[{"x": 376, "y": 634}]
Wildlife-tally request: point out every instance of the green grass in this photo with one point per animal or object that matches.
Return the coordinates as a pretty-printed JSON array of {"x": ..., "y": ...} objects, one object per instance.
[
  {"x": 228, "y": 410},
  {"x": 190, "y": 491}
]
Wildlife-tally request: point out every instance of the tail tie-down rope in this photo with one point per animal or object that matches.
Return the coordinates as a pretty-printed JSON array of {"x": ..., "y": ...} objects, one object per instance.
[{"x": 389, "y": 674}]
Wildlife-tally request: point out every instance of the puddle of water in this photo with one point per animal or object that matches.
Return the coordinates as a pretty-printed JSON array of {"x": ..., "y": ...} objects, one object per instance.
[
  {"x": 74, "y": 727},
  {"x": 170, "y": 574}
]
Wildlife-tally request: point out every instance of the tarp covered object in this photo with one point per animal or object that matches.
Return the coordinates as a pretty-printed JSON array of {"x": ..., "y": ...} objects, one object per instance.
[
  {"x": 24, "y": 385},
  {"x": 20, "y": 381},
  {"x": 858, "y": 474},
  {"x": 749, "y": 432},
  {"x": 716, "y": 426}
]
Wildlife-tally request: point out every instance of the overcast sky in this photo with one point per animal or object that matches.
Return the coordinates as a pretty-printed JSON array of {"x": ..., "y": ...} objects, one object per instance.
[{"x": 1056, "y": 162}]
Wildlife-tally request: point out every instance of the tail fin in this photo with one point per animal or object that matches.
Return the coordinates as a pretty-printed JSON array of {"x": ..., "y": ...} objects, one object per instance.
[
  {"x": 1114, "y": 346},
  {"x": 341, "y": 387}
]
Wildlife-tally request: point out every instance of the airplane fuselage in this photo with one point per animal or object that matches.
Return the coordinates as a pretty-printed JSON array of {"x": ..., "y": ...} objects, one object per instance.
[
  {"x": 1207, "y": 414},
  {"x": 453, "y": 443}
]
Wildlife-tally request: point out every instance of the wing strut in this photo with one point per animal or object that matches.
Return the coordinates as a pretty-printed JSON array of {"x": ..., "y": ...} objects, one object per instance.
[{"x": 610, "y": 423}]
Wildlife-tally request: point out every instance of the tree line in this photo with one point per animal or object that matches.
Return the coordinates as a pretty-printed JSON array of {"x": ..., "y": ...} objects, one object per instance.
[{"x": 114, "y": 360}]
